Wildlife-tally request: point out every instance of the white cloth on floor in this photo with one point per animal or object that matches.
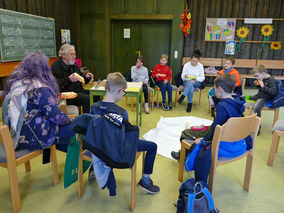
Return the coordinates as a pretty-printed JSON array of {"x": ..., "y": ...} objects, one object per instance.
[{"x": 168, "y": 131}]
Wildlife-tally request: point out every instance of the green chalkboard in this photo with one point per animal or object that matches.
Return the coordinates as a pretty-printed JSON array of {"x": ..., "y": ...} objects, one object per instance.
[{"x": 21, "y": 34}]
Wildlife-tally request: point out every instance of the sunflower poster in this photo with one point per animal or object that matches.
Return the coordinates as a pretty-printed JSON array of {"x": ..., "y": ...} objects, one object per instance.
[{"x": 220, "y": 29}]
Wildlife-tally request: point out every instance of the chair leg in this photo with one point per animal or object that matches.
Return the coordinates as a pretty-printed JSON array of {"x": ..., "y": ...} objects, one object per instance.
[
  {"x": 209, "y": 107},
  {"x": 181, "y": 163},
  {"x": 199, "y": 97},
  {"x": 54, "y": 165},
  {"x": 131, "y": 101},
  {"x": 157, "y": 99},
  {"x": 153, "y": 100},
  {"x": 14, "y": 187},
  {"x": 80, "y": 174},
  {"x": 212, "y": 177},
  {"x": 248, "y": 172},
  {"x": 143, "y": 162},
  {"x": 28, "y": 166},
  {"x": 250, "y": 110},
  {"x": 133, "y": 186},
  {"x": 273, "y": 148},
  {"x": 276, "y": 115},
  {"x": 176, "y": 102}
]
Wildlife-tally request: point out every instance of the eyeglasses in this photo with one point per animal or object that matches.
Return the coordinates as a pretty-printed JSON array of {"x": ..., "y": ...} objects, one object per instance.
[{"x": 123, "y": 92}]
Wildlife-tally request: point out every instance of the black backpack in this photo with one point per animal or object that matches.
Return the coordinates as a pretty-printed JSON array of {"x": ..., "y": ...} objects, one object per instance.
[{"x": 194, "y": 198}]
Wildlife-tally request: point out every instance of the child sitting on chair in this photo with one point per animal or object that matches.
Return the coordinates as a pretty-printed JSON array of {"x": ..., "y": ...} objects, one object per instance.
[
  {"x": 162, "y": 75},
  {"x": 115, "y": 89},
  {"x": 228, "y": 106},
  {"x": 228, "y": 68},
  {"x": 192, "y": 76},
  {"x": 267, "y": 89},
  {"x": 139, "y": 73}
]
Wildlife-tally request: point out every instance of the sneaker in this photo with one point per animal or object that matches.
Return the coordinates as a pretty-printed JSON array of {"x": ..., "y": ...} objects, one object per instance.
[
  {"x": 150, "y": 187},
  {"x": 165, "y": 106},
  {"x": 175, "y": 155},
  {"x": 170, "y": 106}
]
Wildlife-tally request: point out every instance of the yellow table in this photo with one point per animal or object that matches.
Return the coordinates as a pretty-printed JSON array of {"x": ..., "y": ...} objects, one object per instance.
[{"x": 134, "y": 89}]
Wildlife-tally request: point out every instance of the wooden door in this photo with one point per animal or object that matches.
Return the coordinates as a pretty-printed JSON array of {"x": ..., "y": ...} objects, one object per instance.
[{"x": 151, "y": 38}]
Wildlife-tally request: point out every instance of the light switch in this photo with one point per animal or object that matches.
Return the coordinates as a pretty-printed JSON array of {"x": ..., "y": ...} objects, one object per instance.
[{"x": 176, "y": 54}]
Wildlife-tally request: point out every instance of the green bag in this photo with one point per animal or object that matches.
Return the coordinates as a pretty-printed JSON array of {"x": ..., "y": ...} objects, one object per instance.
[{"x": 71, "y": 162}]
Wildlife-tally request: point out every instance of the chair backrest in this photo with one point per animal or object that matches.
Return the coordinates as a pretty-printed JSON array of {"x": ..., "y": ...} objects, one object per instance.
[
  {"x": 236, "y": 129},
  {"x": 6, "y": 139}
]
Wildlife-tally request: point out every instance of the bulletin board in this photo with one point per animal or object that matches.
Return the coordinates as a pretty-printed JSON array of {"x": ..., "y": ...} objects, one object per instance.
[{"x": 220, "y": 29}]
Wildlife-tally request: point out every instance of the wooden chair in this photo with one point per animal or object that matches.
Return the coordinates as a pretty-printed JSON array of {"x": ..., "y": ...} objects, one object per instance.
[
  {"x": 86, "y": 155},
  {"x": 181, "y": 89},
  {"x": 278, "y": 131},
  {"x": 276, "y": 112},
  {"x": 14, "y": 159},
  {"x": 233, "y": 130}
]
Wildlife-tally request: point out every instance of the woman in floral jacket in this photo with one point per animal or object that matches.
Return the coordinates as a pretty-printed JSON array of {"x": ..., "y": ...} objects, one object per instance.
[{"x": 30, "y": 107}]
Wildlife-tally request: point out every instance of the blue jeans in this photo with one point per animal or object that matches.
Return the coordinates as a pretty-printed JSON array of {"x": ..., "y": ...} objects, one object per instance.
[
  {"x": 165, "y": 87},
  {"x": 189, "y": 89},
  {"x": 151, "y": 150}
]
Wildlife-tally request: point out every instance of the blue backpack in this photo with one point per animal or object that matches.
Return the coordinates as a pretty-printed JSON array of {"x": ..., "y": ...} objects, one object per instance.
[
  {"x": 278, "y": 100},
  {"x": 195, "y": 198}
]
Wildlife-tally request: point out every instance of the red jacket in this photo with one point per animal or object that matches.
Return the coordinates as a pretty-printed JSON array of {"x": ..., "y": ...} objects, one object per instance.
[
  {"x": 159, "y": 69},
  {"x": 233, "y": 72}
]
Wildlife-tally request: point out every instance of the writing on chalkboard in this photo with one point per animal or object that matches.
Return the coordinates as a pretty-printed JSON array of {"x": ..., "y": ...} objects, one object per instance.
[{"x": 21, "y": 34}]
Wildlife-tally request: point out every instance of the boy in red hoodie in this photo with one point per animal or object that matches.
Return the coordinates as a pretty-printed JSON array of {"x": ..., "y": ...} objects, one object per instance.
[{"x": 162, "y": 75}]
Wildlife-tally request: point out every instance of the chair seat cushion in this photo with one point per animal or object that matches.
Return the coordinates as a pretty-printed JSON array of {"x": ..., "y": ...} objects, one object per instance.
[
  {"x": 279, "y": 125},
  {"x": 18, "y": 154}
]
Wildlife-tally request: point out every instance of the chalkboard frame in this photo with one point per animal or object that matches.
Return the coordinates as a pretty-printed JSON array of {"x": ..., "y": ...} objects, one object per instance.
[{"x": 25, "y": 25}]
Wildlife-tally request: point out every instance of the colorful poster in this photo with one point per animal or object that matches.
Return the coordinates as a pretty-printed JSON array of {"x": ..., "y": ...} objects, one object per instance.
[
  {"x": 65, "y": 36},
  {"x": 220, "y": 29},
  {"x": 230, "y": 48}
]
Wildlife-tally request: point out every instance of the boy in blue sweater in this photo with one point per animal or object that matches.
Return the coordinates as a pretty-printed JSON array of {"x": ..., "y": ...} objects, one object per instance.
[
  {"x": 115, "y": 88},
  {"x": 229, "y": 106}
]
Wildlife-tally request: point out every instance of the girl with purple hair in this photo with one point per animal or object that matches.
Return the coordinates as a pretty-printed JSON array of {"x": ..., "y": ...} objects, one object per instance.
[{"x": 30, "y": 107}]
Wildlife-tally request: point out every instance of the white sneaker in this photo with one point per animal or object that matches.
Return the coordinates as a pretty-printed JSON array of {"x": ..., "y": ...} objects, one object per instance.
[{"x": 146, "y": 107}]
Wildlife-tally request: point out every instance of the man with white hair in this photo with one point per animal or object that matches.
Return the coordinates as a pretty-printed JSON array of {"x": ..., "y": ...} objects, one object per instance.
[{"x": 70, "y": 78}]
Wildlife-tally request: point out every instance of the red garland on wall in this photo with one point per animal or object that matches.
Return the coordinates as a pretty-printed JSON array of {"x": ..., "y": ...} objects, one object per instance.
[{"x": 185, "y": 25}]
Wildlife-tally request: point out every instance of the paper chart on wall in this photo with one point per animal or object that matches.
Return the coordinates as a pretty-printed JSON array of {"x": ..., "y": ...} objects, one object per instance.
[{"x": 220, "y": 29}]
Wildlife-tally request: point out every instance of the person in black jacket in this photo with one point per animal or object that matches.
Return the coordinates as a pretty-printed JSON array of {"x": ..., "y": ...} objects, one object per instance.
[
  {"x": 70, "y": 78},
  {"x": 267, "y": 89},
  {"x": 115, "y": 88}
]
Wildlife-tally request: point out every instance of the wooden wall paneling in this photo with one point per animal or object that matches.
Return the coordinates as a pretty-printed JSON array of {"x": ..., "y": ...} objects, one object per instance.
[
  {"x": 230, "y": 9},
  {"x": 200, "y": 25},
  {"x": 271, "y": 13},
  {"x": 194, "y": 24},
  {"x": 218, "y": 12},
  {"x": 210, "y": 46},
  {"x": 279, "y": 54},
  {"x": 205, "y": 15},
  {"x": 279, "y": 36},
  {"x": 223, "y": 14},
  {"x": 246, "y": 46},
  {"x": 256, "y": 35},
  {"x": 278, "y": 30}
]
